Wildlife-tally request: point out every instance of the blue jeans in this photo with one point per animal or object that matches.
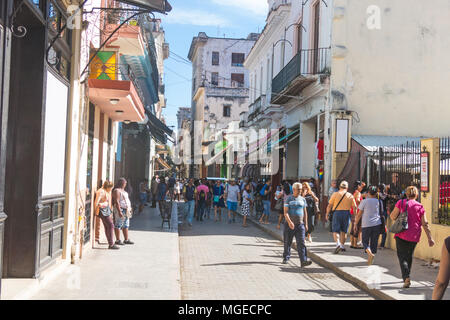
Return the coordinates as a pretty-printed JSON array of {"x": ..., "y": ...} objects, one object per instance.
[
  {"x": 189, "y": 207},
  {"x": 299, "y": 234},
  {"x": 266, "y": 204}
]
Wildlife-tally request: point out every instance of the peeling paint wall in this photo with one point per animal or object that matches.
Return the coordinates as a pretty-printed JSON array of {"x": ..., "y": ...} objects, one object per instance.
[{"x": 390, "y": 64}]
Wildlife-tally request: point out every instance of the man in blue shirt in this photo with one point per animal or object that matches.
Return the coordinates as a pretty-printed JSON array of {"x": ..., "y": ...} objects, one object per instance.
[{"x": 296, "y": 217}]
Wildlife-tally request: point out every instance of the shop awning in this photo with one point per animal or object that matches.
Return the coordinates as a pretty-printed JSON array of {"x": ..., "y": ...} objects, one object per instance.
[
  {"x": 158, "y": 123},
  {"x": 162, "y": 6},
  {"x": 163, "y": 163},
  {"x": 372, "y": 143},
  {"x": 257, "y": 145}
]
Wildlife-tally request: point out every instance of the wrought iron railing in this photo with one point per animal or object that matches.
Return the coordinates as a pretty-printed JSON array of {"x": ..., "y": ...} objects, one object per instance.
[
  {"x": 306, "y": 62},
  {"x": 256, "y": 107},
  {"x": 444, "y": 182},
  {"x": 112, "y": 71}
]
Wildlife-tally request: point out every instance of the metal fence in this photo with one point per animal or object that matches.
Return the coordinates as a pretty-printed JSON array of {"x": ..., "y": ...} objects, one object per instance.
[
  {"x": 444, "y": 182},
  {"x": 397, "y": 167}
]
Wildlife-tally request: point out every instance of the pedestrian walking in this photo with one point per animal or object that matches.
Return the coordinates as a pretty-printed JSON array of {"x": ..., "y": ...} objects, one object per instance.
[
  {"x": 407, "y": 240},
  {"x": 153, "y": 188},
  {"x": 342, "y": 202},
  {"x": 171, "y": 184},
  {"x": 189, "y": 201},
  {"x": 177, "y": 190},
  {"x": 265, "y": 193},
  {"x": 382, "y": 196},
  {"x": 201, "y": 198},
  {"x": 311, "y": 208},
  {"x": 296, "y": 216},
  {"x": 162, "y": 192},
  {"x": 246, "y": 201},
  {"x": 218, "y": 200},
  {"x": 279, "y": 205},
  {"x": 444, "y": 272},
  {"x": 370, "y": 215},
  {"x": 122, "y": 211},
  {"x": 355, "y": 230},
  {"x": 233, "y": 197},
  {"x": 143, "y": 189},
  {"x": 103, "y": 209}
]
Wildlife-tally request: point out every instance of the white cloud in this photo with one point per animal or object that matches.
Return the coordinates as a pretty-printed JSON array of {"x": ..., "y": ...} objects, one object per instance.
[
  {"x": 257, "y": 7},
  {"x": 196, "y": 18}
]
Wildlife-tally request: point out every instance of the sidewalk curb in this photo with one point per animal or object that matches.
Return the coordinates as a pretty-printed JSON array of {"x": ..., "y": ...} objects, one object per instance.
[{"x": 378, "y": 294}]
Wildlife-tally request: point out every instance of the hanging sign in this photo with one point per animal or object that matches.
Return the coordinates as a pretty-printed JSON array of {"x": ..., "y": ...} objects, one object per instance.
[{"x": 424, "y": 170}]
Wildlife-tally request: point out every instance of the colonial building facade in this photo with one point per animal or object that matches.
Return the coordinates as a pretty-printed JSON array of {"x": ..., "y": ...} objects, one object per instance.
[{"x": 220, "y": 91}]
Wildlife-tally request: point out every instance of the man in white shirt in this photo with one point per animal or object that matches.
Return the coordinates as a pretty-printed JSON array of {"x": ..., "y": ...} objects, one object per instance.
[{"x": 232, "y": 196}]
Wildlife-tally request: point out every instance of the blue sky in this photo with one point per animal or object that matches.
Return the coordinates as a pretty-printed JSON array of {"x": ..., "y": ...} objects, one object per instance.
[{"x": 234, "y": 18}]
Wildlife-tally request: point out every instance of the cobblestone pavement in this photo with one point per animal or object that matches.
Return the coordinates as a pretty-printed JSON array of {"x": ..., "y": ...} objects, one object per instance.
[{"x": 226, "y": 261}]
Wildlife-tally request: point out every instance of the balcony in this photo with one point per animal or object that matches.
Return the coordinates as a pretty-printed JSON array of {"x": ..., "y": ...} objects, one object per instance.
[
  {"x": 300, "y": 72},
  {"x": 117, "y": 93}
]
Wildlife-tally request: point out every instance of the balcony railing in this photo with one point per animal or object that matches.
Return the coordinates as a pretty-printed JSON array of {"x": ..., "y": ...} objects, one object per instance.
[
  {"x": 256, "y": 107},
  {"x": 304, "y": 63}
]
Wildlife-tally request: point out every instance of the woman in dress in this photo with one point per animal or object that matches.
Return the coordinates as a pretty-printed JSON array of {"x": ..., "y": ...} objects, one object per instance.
[{"x": 246, "y": 200}]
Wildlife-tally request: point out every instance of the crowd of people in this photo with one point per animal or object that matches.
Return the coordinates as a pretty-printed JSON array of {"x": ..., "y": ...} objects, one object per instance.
[{"x": 362, "y": 214}]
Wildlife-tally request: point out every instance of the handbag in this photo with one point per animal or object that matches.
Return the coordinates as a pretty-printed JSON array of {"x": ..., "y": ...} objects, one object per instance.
[
  {"x": 401, "y": 223},
  {"x": 106, "y": 211},
  {"x": 279, "y": 204}
]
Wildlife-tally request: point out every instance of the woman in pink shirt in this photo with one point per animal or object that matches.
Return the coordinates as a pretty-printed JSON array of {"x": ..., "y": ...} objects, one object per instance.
[{"x": 407, "y": 240}]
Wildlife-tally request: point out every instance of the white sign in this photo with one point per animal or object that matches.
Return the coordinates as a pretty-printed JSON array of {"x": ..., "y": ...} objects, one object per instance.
[{"x": 342, "y": 135}]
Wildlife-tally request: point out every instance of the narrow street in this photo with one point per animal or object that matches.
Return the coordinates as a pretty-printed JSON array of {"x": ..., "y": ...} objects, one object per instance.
[{"x": 226, "y": 261}]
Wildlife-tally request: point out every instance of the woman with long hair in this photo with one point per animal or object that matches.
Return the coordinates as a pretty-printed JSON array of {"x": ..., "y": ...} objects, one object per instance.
[
  {"x": 311, "y": 201},
  {"x": 103, "y": 209}
]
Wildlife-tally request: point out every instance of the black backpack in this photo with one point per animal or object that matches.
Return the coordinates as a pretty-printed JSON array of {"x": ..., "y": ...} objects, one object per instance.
[{"x": 202, "y": 196}]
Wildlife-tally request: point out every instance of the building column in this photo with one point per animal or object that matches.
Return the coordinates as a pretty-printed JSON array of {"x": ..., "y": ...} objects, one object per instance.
[{"x": 5, "y": 53}]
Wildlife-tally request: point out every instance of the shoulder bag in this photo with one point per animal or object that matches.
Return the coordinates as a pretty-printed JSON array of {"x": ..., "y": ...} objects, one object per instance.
[{"x": 401, "y": 223}]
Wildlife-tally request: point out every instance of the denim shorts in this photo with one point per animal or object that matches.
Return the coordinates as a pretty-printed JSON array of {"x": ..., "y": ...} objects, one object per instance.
[
  {"x": 341, "y": 221},
  {"x": 232, "y": 206},
  {"x": 121, "y": 223}
]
